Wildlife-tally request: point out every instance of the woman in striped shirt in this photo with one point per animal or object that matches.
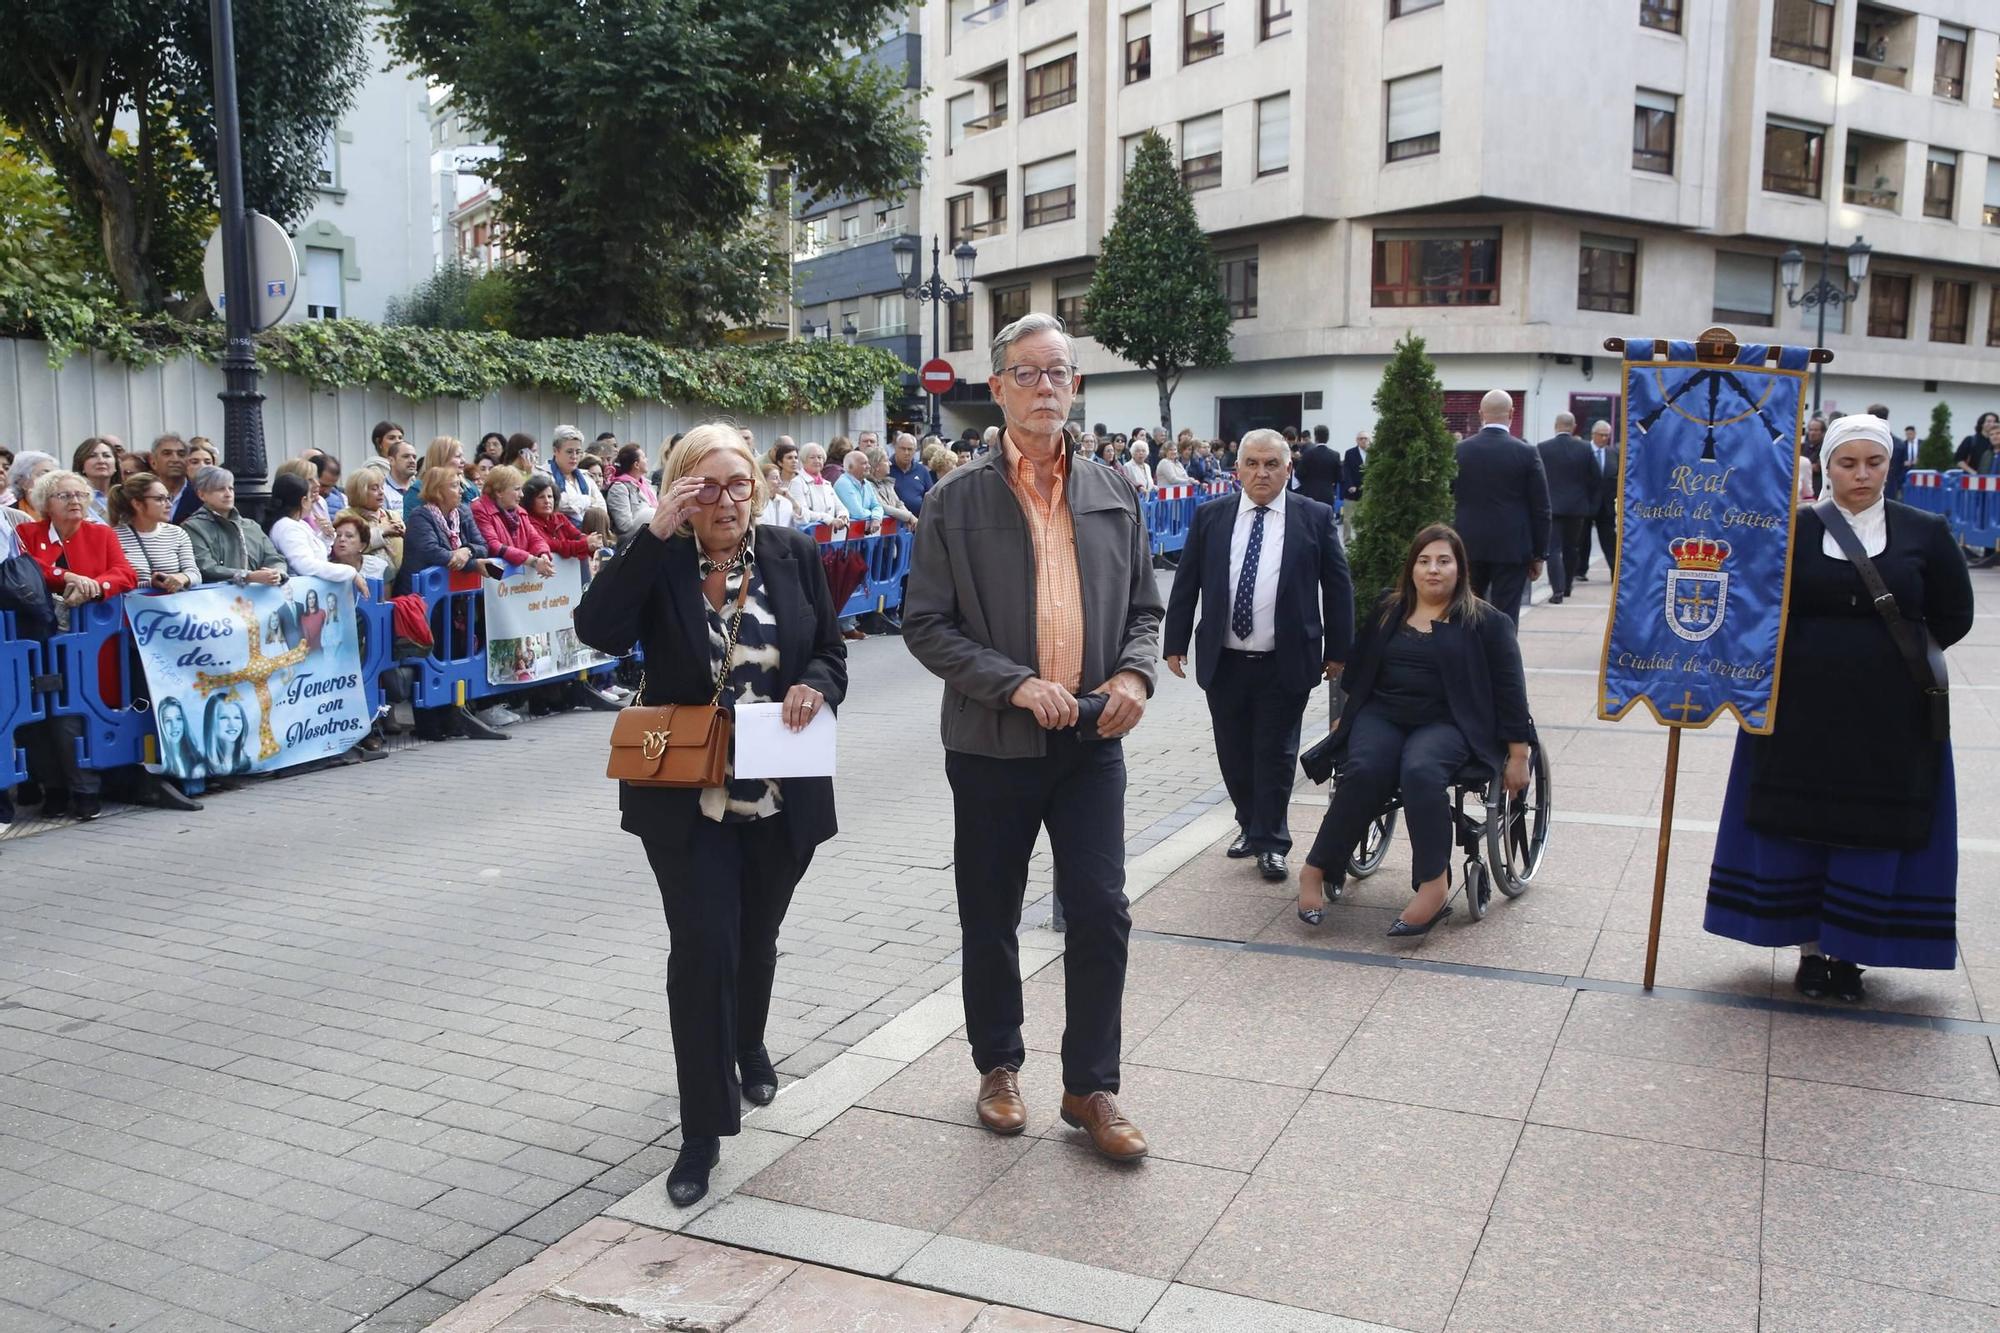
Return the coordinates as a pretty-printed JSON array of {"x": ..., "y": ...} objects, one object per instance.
[{"x": 160, "y": 553}]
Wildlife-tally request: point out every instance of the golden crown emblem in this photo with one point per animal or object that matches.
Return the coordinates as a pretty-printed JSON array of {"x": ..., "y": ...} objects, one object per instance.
[{"x": 1706, "y": 553}]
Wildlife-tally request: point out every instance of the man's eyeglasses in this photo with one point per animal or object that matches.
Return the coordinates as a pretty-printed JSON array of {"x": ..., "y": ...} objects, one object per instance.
[
  {"x": 711, "y": 491},
  {"x": 1025, "y": 377}
]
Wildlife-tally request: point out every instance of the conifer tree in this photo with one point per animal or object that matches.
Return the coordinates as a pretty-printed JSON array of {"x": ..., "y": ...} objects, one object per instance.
[
  {"x": 1411, "y": 463},
  {"x": 1936, "y": 451}
]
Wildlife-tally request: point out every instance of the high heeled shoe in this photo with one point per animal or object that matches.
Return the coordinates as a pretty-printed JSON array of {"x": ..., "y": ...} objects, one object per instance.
[
  {"x": 688, "y": 1181},
  {"x": 1401, "y": 929},
  {"x": 1313, "y": 916}
]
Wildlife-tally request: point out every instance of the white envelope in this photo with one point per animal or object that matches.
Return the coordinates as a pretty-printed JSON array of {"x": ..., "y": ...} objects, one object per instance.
[{"x": 767, "y": 748}]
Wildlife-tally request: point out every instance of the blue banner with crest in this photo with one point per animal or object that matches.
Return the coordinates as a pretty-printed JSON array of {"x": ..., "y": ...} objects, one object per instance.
[{"x": 1707, "y": 486}]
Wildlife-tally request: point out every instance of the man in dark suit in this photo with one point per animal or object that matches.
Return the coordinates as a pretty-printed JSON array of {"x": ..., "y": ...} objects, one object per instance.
[
  {"x": 1604, "y": 457},
  {"x": 1319, "y": 469},
  {"x": 1267, "y": 569},
  {"x": 1901, "y": 456},
  {"x": 1353, "y": 467},
  {"x": 1503, "y": 507},
  {"x": 1572, "y": 474}
]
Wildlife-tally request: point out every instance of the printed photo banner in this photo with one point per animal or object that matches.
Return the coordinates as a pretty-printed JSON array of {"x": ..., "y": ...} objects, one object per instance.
[
  {"x": 251, "y": 679},
  {"x": 1708, "y": 488},
  {"x": 530, "y": 625}
]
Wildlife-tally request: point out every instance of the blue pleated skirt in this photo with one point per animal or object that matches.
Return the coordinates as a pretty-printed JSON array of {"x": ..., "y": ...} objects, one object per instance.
[{"x": 1868, "y": 906}]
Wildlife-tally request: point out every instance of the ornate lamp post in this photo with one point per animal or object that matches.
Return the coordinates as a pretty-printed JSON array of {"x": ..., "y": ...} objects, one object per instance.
[
  {"x": 935, "y": 290},
  {"x": 1823, "y": 293},
  {"x": 242, "y": 404},
  {"x": 810, "y": 331}
]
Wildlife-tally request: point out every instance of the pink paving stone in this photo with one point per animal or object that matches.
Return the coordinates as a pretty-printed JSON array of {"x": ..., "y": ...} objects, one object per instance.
[
  {"x": 676, "y": 1282},
  {"x": 822, "y": 1300},
  {"x": 545, "y": 1315},
  {"x": 1005, "y": 1319},
  {"x": 487, "y": 1309}
]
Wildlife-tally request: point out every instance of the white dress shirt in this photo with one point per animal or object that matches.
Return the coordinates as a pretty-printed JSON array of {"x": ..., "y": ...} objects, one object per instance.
[
  {"x": 1264, "y": 593},
  {"x": 1871, "y": 525}
]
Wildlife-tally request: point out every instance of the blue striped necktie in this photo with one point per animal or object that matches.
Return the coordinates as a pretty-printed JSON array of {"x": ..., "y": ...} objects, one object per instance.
[{"x": 1240, "y": 618}]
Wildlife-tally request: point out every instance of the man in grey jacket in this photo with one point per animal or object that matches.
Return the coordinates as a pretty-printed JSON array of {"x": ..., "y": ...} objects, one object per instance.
[{"x": 1031, "y": 595}]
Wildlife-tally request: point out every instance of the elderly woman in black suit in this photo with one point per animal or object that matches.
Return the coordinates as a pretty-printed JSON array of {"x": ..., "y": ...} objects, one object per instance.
[
  {"x": 727, "y": 858},
  {"x": 1434, "y": 680}
]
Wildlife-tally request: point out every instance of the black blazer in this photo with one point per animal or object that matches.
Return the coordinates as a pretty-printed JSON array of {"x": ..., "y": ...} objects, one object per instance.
[
  {"x": 1315, "y": 611},
  {"x": 1481, "y": 665},
  {"x": 1503, "y": 499},
  {"x": 1353, "y": 467},
  {"x": 650, "y": 594},
  {"x": 1607, "y": 482},
  {"x": 1318, "y": 471},
  {"x": 1571, "y": 467}
]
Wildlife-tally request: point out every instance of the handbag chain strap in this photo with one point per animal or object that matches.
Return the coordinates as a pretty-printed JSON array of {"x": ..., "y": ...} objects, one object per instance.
[{"x": 728, "y": 652}]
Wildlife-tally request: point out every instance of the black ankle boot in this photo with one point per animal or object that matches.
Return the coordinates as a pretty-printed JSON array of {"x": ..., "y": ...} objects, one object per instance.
[
  {"x": 688, "y": 1181},
  {"x": 760, "y": 1080}
]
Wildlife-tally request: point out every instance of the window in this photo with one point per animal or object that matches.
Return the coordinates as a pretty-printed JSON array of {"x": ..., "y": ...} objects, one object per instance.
[
  {"x": 1051, "y": 81},
  {"x": 1416, "y": 115},
  {"x": 1835, "y": 276},
  {"x": 958, "y": 219},
  {"x": 1237, "y": 271},
  {"x": 1793, "y": 152},
  {"x": 1274, "y": 134},
  {"x": 1665, "y": 15},
  {"x": 1009, "y": 304},
  {"x": 329, "y": 162},
  {"x": 1130, "y": 145},
  {"x": 958, "y": 331},
  {"x": 1653, "y": 131},
  {"x": 1398, "y": 8},
  {"x": 1201, "y": 152},
  {"x": 1949, "y": 80},
  {"x": 891, "y": 315},
  {"x": 1940, "y": 183},
  {"x": 996, "y": 206},
  {"x": 1802, "y": 31},
  {"x": 1048, "y": 191},
  {"x": 1139, "y": 45},
  {"x": 1951, "y": 308},
  {"x": 1746, "y": 289},
  {"x": 1990, "y": 214},
  {"x": 850, "y": 227},
  {"x": 1070, "y": 294},
  {"x": 1607, "y": 274},
  {"x": 1888, "y": 305},
  {"x": 1274, "y": 19},
  {"x": 958, "y": 114},
  {"x": 1201, "y": 31},
  {"x": 323, "y": 283},
  {"x": 1437, "y": 268},
  {"x": 1993, "y": 316}
]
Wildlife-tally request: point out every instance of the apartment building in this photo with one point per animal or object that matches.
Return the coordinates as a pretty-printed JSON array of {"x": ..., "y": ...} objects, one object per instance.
[{"x": 1514, "y": 182}]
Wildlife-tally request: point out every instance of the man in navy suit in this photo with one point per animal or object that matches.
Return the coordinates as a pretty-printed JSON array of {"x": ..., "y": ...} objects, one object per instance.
[
  {"x": 1902, "y": 457},
  {"x": 1353, "y": 468},
  {"x": 1572, "y": 472},
  {"x": 1318, "y": 469},
  {"x": 1503, "y": 507},
  {"x": 1267, "y": 569}
]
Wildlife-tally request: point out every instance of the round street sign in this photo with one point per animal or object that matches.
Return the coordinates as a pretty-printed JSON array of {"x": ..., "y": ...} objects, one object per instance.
[
  {"x": 274, "y": 271},
  {"x": 937, "y": 376}
]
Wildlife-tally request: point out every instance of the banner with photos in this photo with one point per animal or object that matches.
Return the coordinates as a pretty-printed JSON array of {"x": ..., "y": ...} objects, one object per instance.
[{"x": 530, "y": 625}]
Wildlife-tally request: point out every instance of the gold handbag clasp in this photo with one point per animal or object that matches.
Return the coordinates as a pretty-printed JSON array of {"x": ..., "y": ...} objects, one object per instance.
[{"x": 653, "y": 744}]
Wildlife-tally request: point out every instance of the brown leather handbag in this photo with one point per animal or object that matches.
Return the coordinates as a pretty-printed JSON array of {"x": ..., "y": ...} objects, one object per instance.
[{"x": 677, "y": 745}]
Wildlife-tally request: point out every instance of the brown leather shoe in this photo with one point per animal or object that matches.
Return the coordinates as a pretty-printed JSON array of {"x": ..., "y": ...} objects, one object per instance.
[
  {"x": 1114, "y": 1135},
  {"x": 1000, "y": 1106}
]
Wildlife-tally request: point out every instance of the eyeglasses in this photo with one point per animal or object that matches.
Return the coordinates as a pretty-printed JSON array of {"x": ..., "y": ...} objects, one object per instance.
[
  {"x": 160, "y": 498},
  {"x": 1026, "y": 377},
  {"x": 711, "y": 491},
  {"x": 72, "y": 497}
]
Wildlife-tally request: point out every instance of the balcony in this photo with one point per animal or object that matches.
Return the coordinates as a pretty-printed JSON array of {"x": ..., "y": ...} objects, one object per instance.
[
  {"x": 992, "y": 120},
  {"x": 1873, "y": 197},
  {"x": 989, "y": 228},
  {"x": 1873, "y": 174},
  {"x": 973, "y": 14},
  {"x": 1884, "y": 44}
]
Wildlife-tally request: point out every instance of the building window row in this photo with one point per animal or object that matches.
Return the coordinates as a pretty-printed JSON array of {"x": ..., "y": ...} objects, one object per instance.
[
  {"x": 1201, "y": 152},
  {"x": 1237, "y": 271},
  {"x": 1653, "y": 122},
  {"x": 1802, "y": 32},
  {"x": 1662, "y": 15},
  {"x": 1048, "y": 191},
  {"x": 1607, "y": 274},
  {"x": 1456, "y": 267},
  {"x": 1415, "y": 115},
  {"x": 1746, "y": 288},
  {"x": 1051, "y": 81}
]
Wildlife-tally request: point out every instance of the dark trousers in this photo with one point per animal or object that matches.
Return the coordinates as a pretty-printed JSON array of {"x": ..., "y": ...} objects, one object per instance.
[
  {"x": 1503, "y": 585},
  {"x": 52, "y": 757},
  {"x": 1077, "y": 792},
  {"x": 1606, "y": 524},
  {"x": 725, "y": 891},
  {"x": 1257, "y": 744},
  {"x": 1382, "y": 756},
  {"x": 1569, "y": 551}
]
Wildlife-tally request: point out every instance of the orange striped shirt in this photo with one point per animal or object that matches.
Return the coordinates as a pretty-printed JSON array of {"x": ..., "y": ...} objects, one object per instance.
[{"x": 1058, "y": 590}]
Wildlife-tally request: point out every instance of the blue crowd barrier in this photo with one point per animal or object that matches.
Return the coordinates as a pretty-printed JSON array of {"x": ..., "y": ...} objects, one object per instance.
[
  {"x": 1929, "y": 491},
  {"x": 378, "y": 642},
  {"x": 20, "y": 706},
  {"x": 114, "y": 733},
  {"x": 1168, "y": 512},
  {"x": 1975, "y": 512}
]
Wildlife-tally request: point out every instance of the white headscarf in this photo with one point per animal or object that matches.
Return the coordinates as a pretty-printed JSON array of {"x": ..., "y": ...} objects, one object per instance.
[{"x": 1871, "y": 525}]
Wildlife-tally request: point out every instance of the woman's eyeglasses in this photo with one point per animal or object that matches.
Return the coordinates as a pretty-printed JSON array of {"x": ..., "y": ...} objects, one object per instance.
[{"x": 711, "y": 491}]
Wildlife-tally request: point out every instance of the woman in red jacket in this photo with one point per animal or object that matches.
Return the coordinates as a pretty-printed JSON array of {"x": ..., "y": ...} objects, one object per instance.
[
  {"x": 538, "y": 499},
  {"x": 504, "y": 525}
]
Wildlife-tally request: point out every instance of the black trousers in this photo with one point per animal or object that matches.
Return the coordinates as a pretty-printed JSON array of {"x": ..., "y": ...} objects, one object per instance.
[
  {"x": 1569, "y": 551},
  {"x": 1077, "y": 792},
  {"x": 1257, "y": 744},
  {"x": 1606, "y": 524},
  {"x": 726, "y": 890},
  {"x": 52, "y": 757},
  {"x": 1504, "y": 585},
  {"x": 1382, "y": 756}
]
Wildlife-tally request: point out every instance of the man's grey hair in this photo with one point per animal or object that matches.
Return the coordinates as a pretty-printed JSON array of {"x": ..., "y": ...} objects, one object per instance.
[
  {"x": 171, "y": 437},
  {"x": 1027, "y": 326},
  {"x": 904, "y": 437},
  {"x": 1565, "y": 422},
  {"x": 1600, "y": 424},
  {"x": 990, "y": 436},
  {"x": 213, "y": 479},
  {"x": 1266, "y": 436}
]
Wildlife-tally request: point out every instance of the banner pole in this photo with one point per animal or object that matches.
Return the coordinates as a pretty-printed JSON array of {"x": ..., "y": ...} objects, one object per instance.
[{"x": 1662, "y": 852}]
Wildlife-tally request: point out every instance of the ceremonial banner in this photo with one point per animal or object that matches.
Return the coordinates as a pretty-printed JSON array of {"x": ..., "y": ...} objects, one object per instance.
[
  {"x": 530, "y": 627},
  {"x": 1708, "y": 490},
  {"x": 251, "y": 679}
]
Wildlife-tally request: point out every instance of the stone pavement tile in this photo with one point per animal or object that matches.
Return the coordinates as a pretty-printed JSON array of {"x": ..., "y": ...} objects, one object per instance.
[
  {"x": 821, "y": 1300},
  {"x": 1186, "y": 1309},
  {"x": 1386, "y": 1150},
  {"x": 1385, "y": 1260},
  {"x": 1457, "y": 1043},
  {"x": 1164, "y": 967},
  {"x": 742, "y": 1157},
  {"x": 31, "y": 1282},
  {"x": 1795, "y": 1301},
  {"x": 1886, "y": 1133},
  {"x": 1529, "y": 1277},
  {"x": 485, "y": 1266},
  {"x": 412, "y": 1312},
  {"x": 1655, "y": 1028},
  {"x": 1044, "y": 1015},
  {"x": 1222, "y": 914},
  {"x": 1006, "y": 1319},
  {"x": 1332, "y": 989},
  {"x": 543, "y": 1315},
  {"x": 672, "y": 1281},
  {"x": 1016, "y": 1277},
  {"x": 897, "y": 1169},
  {"x": 809, "y": 1234},
  {"x": 100, "y": 1305},
  {"x": 1646, "y": 1193},
  {"x": 1695, "y": 963},
  {"x": 1721, "y": 1109},
  {"x": 1292, "y": 1046},
  {"x": 577, "y": 1250},
  {"x": 1351, "y": 927},
  {"x": 1502, "y": 940},
  {"x": 1873, "y": 1055},
  {"x": 1227, "y": 1123},
  {"x": 1899, "y": 1233},
  {"x": 804, "y": 1106},
  {"x": 943, "y": 1084},
  {"x": 1065, "y": 1201},
  {"x": 1896, "y": 991},
  {"x": 1584, "y": 855}
]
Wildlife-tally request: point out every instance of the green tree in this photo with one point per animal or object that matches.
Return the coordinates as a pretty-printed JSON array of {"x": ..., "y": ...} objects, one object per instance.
[
  {"x": 645, "y": 143},
  {"x": 456, "y": 297},
  {"x": 1936, "y": 451},
  {"x": 1155, "y": 299},
  {"x": 42, "y": 248},
  {"x": 1411, "y": 464},
  {"x": 71, "y": 72}
]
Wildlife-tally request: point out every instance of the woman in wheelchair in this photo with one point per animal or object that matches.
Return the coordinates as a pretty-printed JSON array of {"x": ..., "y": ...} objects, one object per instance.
[{"x": 1433, "y": 683}]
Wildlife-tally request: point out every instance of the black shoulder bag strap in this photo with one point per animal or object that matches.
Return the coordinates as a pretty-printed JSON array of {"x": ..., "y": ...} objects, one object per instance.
[{"x": 1921, "y": 654}]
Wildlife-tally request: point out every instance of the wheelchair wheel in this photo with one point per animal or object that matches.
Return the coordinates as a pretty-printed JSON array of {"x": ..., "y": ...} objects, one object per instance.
[
  {"x": 1517, "y": 828},
  {"x": 1367, "y": 858},
  {"x": 1478, "y": 889}
]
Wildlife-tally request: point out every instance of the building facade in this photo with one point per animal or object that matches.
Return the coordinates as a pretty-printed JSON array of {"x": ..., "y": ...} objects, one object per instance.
[{"x": 1514, "y": 183}]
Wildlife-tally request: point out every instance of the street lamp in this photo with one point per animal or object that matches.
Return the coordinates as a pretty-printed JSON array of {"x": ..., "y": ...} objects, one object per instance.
[
  {"x": 242, "y": 404},
  {"x": 812, "y": 331},
  {"x": 1823, "y": 293},
  {"x": 935, "y": 290}
]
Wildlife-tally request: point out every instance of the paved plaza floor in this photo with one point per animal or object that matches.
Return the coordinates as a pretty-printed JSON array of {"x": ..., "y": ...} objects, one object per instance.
[{"x": 353, "y": 1047}]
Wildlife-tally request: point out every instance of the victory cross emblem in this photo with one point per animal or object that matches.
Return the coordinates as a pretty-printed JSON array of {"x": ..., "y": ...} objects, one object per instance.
[{"x": 1697, "y": 588}]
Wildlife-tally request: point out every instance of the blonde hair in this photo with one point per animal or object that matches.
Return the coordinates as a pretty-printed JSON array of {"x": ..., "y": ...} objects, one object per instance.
[
  {"x": 439, "y": 453},
  {"x": 441, "y": 488},
  {"x": 305, "y": 469},
  {"x": 501, "y": 478},
  {"x": 705, "y": 439},
  {"x": 358, "y": 481}
]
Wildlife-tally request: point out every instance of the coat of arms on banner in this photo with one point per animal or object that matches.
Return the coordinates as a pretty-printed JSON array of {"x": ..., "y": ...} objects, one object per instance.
[{"x": 1697, "y": 587}]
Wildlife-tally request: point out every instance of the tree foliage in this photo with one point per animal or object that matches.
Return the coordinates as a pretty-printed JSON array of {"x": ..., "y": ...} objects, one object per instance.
[
  {"x": 1937, "y": 451},
  {"x": 1155, "y": 299},
  {"x": 1411, "y": 464},
  {"x": 636, "y": 140},
  {"x": 457, "y": 297},
  {"x": 41, "y": 244},
  {"x": 72, "y": 74}
]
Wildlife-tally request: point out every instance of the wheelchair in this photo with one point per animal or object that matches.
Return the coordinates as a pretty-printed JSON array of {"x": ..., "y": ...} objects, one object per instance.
[{"x": 1512, "y": 831}]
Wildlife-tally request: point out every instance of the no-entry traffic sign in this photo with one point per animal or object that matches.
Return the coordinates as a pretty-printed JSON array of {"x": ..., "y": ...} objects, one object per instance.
[{"x": 936, "y": 376}]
